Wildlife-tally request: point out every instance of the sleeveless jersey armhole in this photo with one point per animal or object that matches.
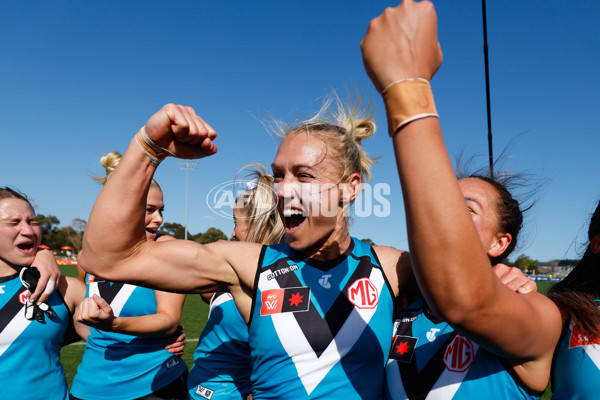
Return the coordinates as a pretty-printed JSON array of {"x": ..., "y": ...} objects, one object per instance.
[{"x": 263, "y": 250}]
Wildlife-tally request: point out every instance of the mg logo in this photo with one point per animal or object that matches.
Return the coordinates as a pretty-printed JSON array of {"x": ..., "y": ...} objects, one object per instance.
[
  {"x": 459, "y": 354},
  {"x": 363, "y": 294},
  {"x": 24, "y": 296}
]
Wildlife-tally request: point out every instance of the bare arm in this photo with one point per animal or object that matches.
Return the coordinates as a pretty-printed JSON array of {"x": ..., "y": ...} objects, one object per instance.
[
  {"x": 95, "y": 311},
  {"x": 114, "y": 244},
  {"x": 49, "y": 274},
  {"x": 73, "y": 292},
  {"x": 450, "y": 264}
]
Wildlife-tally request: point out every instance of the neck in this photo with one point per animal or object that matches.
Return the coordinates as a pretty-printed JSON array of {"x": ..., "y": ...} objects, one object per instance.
[
  {"x": 7, "y": 269},
  {"x": 331, "y": 247}
]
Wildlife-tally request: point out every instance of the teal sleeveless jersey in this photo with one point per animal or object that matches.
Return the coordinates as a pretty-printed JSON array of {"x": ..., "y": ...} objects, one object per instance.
[
  {"x": 222, "y": 364},
  {"x": 429, "y": 360},
  {"x": 320, "y": 330},
  {"x": 30, "y": 350},
  {"x": 131, "y": 366},
  {"x": 576, "y": 367}
]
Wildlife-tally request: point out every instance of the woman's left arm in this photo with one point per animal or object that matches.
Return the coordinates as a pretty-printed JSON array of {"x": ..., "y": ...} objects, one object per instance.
[{"x": 96, "y": 312}]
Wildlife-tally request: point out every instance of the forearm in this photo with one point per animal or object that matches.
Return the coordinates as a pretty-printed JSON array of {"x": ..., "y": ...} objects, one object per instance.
[
  {"x": 156, "y": 325},
  {"x": 449, "y": 263},
  {"x": 116, "y": 224}
]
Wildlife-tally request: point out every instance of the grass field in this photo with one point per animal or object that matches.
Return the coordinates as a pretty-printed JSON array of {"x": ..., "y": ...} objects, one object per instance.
[{"x": 195, "y": 313}]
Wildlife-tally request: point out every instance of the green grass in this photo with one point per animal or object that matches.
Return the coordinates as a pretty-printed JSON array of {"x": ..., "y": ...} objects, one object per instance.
[
  {"x": 195, "y": 313},
  {"x": 193, "y": 318}
]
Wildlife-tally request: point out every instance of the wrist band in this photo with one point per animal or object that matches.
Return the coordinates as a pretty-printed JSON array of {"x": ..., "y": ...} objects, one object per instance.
[
  {"x": 154, "y": 152},
  {"x": 401, "y": 81},
  {"x": 408, "y": 100}
]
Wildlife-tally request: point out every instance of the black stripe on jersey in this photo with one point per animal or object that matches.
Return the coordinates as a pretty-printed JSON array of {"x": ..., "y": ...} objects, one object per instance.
[
  {"x": 321, "y": 331},
  {"x": 418, "y": 385},
  {"x": 109, "y": 290},
  {"x": 10, "y": 309}
]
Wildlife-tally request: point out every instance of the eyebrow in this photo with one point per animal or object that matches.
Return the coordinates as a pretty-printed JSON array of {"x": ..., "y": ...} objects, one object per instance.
[
  {"x": 473, "y": 200},
  {"x": 294, "y": 167}
]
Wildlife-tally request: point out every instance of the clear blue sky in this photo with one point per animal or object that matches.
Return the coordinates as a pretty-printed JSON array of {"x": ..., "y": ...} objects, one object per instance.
[{"x": 78, "y": 79}]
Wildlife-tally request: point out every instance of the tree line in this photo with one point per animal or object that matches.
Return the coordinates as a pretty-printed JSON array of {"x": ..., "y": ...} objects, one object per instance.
[{"x": 57, "y": 237}]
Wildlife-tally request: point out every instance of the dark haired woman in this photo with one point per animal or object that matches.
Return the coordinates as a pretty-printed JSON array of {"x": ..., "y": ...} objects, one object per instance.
[
  {"x": 576, "y": 366},
  {"x": 475, "y": 337}
]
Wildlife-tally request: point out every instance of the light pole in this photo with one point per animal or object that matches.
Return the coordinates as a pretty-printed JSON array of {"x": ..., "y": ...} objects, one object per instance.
[{"x": 187, "y": 166}]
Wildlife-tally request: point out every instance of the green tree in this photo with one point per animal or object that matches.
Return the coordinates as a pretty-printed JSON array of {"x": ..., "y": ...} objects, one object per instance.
[
  {"x": 368, "y": 241},
  {"x": 211, "y": 235},
  {"x": 74, "y": 233},
  {"x": 524, "y": 263},
  {"x": 56, "y": 237},
  {"x": 173, "y": 229}
]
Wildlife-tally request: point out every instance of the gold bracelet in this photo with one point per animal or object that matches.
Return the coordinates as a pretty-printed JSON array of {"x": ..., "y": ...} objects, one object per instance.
[{"x": 406, "y": 101}]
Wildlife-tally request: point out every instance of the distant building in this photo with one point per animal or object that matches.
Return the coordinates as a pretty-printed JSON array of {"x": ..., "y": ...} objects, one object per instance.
[{"x": 556, "y": 267}]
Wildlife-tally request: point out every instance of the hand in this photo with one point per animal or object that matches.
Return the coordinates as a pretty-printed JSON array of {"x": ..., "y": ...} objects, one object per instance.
[
  {"x": 176, "y": 343},
  {"x": 402, "y": 43},
  {"x": 96, "y": 312},
  {"x": 179, "y": 130},
  {"x": 515, "y": 279},
  {"x": 45, "y": 262}
]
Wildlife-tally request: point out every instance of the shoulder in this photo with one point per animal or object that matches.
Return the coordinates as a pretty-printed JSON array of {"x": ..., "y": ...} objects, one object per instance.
[
  {"x": 396, "y": 266},
  {"x": 390, "y": 257}
]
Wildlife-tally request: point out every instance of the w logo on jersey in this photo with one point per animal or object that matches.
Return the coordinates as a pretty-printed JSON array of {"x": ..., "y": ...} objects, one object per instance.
[
  {"x": 277, "y": 301},
  {"x": 363, "y": 294}
]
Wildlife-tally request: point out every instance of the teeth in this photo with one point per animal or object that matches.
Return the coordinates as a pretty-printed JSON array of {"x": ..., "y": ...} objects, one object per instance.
[{"x": 289, "y": 212}]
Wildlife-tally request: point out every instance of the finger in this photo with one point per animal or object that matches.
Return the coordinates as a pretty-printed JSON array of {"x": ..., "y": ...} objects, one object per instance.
[
  {"x": 210, "y": 132},
  {"x": 529, "y": 287},
  {"x": 179, "y": 123},
  {"x": 193, "y": 130},
  {"x": 199, "y": 129},
  {"x": 513, "y": 285},
  {"x": 208, "y": 148},
  {"x": 102, "y": 304}
]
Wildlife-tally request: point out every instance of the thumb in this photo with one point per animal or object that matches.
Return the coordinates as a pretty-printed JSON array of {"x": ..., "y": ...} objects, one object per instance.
[{"x": 102, "y": 304}]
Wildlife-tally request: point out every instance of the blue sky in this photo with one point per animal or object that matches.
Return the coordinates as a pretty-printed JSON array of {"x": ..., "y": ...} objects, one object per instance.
[{"x": 78, "y": 79}]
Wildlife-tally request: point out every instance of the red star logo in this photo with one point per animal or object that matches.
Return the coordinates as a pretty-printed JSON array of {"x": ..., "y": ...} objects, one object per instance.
[
  {"x": 296, "y": 299},
  {"x": 402, "y": 348}
]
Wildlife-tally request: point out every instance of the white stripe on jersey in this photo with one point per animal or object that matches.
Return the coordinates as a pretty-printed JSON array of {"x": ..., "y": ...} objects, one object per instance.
[
  {"x": 448, "y": 383},
  {"x": 12, "y": 331},
  {"x": 119, "y": 300},
  {"x": 312, "y": 369}
]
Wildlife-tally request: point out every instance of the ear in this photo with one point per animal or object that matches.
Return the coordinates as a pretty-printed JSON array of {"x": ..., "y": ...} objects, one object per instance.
[
  {"x": 351, "y": 188},
  {"x": 499, "y": 246},
  {"x": 595, "y": 244}
]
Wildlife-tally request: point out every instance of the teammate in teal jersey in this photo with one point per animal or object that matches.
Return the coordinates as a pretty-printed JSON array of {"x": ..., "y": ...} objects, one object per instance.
[
  {"x": 128, "y": 349},
  {"x": 576, "y": 366},
  {"x": 318, "y": 169},
  {"x": 30, "y": 349},
  {"x": 452, "y": 243},
  {"x": 222, "y": 364},
  {"x": 318, "y": 172}
]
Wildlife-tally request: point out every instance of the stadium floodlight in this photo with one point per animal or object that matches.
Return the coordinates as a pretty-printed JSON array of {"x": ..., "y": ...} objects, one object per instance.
[{"x": 187, "y": 166}]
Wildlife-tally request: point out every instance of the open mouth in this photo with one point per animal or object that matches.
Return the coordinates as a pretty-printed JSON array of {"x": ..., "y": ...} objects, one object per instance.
[
  {"x": 25, "y": 246},
  {"x": 292, "y": 218},
  {"x": 151, "y": 232}
]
